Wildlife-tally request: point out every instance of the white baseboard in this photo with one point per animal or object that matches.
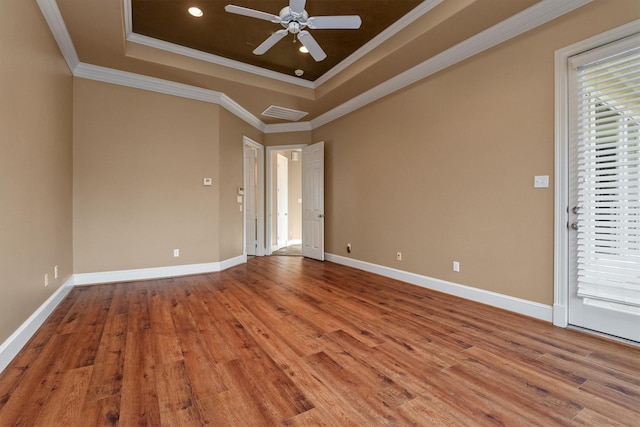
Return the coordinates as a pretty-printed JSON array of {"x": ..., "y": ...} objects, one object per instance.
[
  {"x": 232, "y": 262},
  {"x": 12, "y": 345},
  {"x": 157, "y": 272},
  {"x": 560, "y": 315},
  {"x": 506, "y": 302}
]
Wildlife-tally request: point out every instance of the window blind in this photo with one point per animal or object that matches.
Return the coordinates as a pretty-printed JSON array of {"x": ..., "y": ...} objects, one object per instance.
[{"x": 608, "y": 130}]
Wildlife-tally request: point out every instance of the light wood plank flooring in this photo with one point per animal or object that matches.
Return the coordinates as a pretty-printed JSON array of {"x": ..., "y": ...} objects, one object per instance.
[{"x": 290, "y": 341}]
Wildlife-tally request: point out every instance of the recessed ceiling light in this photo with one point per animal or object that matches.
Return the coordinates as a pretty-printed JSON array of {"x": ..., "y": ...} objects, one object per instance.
[
  {"x": 196, "y": 11},
  {"x": 303, "y": 49},
  {"x": 299, "y": 72}
]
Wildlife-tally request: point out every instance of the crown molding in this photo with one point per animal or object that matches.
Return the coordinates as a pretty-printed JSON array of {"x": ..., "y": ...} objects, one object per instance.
[
  {"x": 536, "y": 15},
  {"x": 138, "y": 81},
  {"x": 125, "y": 78},
  {"x": 52, "y": 15},
  {"x": 203, "y": 56},
  {"x": 385, "y": 35},
  {"x": 288, "y": 127},
  {"x": 390, "y": 31},
  {"x": 526, "y": 20},
  {"x": 237, "y": 109},
  {"x": 214, "y": 59}
]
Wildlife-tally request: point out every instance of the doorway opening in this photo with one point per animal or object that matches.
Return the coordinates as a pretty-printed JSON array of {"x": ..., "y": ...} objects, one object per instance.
[{"x": 284, "y": 200}]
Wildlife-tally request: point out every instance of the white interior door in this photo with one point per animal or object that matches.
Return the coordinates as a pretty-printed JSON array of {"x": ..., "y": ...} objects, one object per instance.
[
  {"x": 282, "y": 200},
  {"x": 313, "y": 201},
  {"x": 604, "y": 180},
  {"x": 250, "y": 200}
]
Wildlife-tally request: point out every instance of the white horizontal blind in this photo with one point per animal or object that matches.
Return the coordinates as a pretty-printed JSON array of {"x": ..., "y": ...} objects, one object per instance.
[{"x": 608, "y": 133}]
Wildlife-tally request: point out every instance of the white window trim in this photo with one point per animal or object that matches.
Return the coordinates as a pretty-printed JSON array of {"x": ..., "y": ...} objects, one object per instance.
[{"x": 561, "y": 236}]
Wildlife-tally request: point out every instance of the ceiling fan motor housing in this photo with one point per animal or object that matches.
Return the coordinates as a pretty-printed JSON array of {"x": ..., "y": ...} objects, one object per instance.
[{"x": 293, "y": 22}]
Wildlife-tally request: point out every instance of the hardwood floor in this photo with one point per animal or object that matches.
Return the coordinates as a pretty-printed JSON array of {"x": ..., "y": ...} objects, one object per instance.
[{"x": 290, "y": 341}]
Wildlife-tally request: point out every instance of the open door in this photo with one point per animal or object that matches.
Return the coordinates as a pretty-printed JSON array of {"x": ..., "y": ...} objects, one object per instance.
[{"x": 313, "y": 201}]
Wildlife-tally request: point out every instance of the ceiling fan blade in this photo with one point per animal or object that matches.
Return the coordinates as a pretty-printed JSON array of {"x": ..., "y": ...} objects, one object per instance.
[
  {"x": 239, "y": 10},
  {"x": 346, "y": 22},
  {"x": 270, "y": 42},
  {"x": 312, "y": 45},
  {"x": 297, "y": 6}
]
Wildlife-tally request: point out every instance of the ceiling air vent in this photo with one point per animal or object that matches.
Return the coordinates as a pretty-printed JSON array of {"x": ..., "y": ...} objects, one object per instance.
[{"x": 284, "y": 113}]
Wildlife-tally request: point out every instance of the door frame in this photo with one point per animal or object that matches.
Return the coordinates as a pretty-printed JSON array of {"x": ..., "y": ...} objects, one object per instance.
[
  {"x": 269, "y": 184},
  {"x": 281, "y": 173},
  {"x": 260, "y": 249},
  {"x": 561, "y": 197}
]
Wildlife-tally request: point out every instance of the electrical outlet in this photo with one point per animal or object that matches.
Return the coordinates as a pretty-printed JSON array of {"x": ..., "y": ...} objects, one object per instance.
[
  {"x": 55, "y": 272},
  {"x": 399, "y": 256},
  {"x": 46, "y": 279},
  {"x": 456, "y": 266},
  {"x": 176, "y": 252},
  {"x": 349, "y": 248}
]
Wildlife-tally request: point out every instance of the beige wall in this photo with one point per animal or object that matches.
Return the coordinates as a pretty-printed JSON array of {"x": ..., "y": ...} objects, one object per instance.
[
  {"x": 446, "y": 173},
  {"x": 441, "y": 171},
  {"x": 139, "y": 162},
  {"x": 287, "y": 138},
  {"x": 232, "y": 131},
  {"x": 35, "y": 163}
]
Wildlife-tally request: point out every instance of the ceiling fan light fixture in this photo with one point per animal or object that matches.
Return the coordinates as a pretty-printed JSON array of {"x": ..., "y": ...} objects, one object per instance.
[
  {"x": 295, "y": 19},
  {"x": 303, "y": 49},
  {"x": 195, "y": 11}
]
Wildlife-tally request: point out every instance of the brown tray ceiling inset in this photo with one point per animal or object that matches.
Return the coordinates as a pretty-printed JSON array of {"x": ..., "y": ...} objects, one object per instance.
[{"x": 235, "y": 37}]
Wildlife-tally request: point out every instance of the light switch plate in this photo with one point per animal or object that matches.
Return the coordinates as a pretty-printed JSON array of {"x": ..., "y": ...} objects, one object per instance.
[
  {"x": 207, "y": 182},
  {"x": 541, "y": 181}
]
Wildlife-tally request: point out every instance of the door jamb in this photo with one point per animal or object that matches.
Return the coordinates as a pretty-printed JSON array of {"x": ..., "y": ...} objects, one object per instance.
[
  {"x": 269, "y": 184},
  {"x": 561, "y": 194},
  {"x": 260, "y": 249}
]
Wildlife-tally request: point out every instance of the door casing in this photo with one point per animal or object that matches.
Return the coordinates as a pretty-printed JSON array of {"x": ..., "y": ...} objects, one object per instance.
[
  {"x": 561, "y": 214},
  {"x": 269, "y": 191},
  {"x": 248, "y": 143}
]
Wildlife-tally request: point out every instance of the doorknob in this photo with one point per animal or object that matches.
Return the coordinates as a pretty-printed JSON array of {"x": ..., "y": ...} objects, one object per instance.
[
  {"x": 573, "y": 226},
  {"x": 320, "y": 215},
  {"x": 575, "y": 209}
]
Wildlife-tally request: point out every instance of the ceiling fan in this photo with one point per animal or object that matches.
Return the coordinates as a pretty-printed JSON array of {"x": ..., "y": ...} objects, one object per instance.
[{"x": 295, "y": 19}]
